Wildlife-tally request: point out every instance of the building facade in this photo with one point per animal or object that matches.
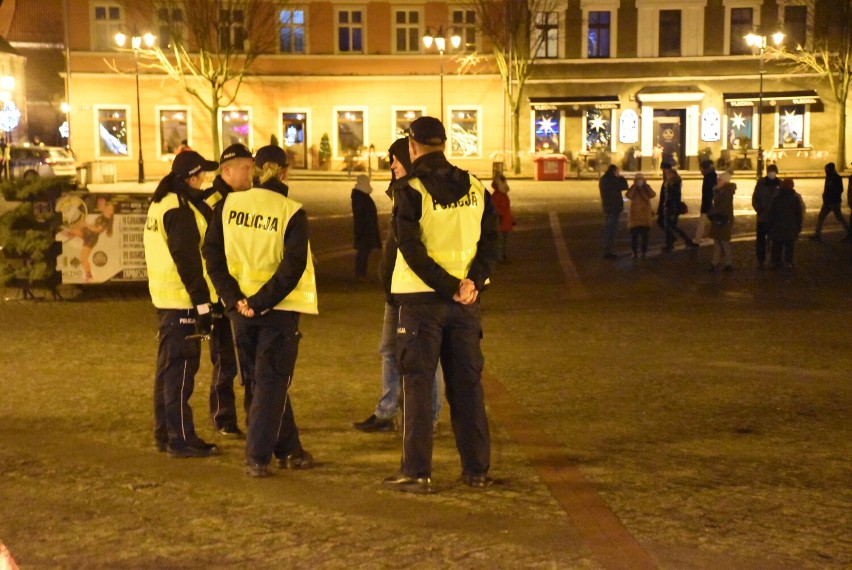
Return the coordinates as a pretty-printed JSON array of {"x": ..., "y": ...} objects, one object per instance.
[{"x": 629, "y": 81}]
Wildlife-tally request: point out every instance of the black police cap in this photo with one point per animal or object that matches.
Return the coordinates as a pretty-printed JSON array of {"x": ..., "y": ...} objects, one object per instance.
[
  {"x": 237, "y": 150},
  {"x": 270, "y": 153},
  {"x": 189, "y": 163},
  {"x": 428, "y": 130}
]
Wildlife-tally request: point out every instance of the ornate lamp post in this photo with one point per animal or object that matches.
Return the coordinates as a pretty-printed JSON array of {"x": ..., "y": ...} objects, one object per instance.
[
  {"x": 439, "y": 38},
  {"x": 136, "y": 43},
  {"x": 756, "y": 40}
]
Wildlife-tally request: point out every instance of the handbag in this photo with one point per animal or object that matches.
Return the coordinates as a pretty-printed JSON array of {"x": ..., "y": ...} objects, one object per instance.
[{"x": 684, "y": 209}]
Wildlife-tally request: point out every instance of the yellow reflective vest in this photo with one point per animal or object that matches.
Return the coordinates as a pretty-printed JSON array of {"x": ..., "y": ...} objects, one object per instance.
[
  {"x": 450, "y": 234},
  {"x": 164, "y": 283},
  {"x": 253, "y": 227}
]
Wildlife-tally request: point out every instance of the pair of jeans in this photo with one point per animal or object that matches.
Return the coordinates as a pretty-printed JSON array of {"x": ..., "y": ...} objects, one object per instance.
[
  {"x": 449, "y": 332},
  {"x": 388, "y": 404},
  {"x": 610, "y": 227}
]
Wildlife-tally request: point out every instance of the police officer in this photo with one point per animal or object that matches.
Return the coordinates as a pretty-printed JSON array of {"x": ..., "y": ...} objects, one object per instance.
[
  {"x": 259, "y": 259},
  {"x": 237, "y": 167},
  {"x": 446, "y": 229},
  {"x": 181, "y": 293}
]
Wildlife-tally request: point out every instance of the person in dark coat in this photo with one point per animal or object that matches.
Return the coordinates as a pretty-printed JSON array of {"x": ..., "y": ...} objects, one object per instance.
[
  {"x": 611, "y": 186},
  {"x": 832, "y": 198},
  {"x": 761, "y": 198},
  {"x": 668, "y": 210},
  {"x": 785, "y": 223},
  {"x": 707, "y": 185},
  {"x": 365, "y": 225}
]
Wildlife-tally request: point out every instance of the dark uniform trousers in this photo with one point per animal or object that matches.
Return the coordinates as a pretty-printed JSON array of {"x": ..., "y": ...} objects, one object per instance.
[
  {"x": 267, "y": 350},
  {"x": 178, "y": 360},
  {"x": 452, "y": 332},
  {"x": 223, "y": 407}
]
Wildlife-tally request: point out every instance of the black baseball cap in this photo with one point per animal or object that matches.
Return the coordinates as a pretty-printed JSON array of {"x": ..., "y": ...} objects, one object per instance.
[
  {"x": 428, "y": 130},
  {"x": 237, "y": 150},
  {"x": 270, "y": 153},
  {"x": 189, "y": 163}
]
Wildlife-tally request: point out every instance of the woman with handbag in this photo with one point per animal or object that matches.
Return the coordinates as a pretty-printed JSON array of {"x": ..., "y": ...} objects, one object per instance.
[{"x": 721, "y": 216}]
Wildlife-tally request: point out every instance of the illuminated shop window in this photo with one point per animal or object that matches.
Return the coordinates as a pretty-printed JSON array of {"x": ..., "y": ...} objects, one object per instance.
[
  {"x": 740, "y": 127},
  {"x": 235, "y": 127},
  {"x": 598, "y": 128},
  {"x": 791, "y": 126},
  {"x": 350, "y": 132},
  {"x": 547, "y": 131},
  {"x": 294, "y": 128},
  {"x": 464, "y": 133},
  {"x": 403, "y": 119},
  {"x": 174, "y": 129},
  {"x": 112, "y": 133}
]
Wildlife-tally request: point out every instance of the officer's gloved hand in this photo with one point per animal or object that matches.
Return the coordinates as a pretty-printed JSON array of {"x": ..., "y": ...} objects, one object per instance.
[{"x": 203, "y": 319}]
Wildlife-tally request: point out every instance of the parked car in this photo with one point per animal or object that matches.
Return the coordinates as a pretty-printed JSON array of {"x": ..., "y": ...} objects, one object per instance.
[{"x": 46, "y": 161}]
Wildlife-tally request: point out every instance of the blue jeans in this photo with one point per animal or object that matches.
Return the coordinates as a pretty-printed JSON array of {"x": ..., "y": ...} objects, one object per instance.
[
  {"x": 609, "y": 231},
  {"x": 391, "y": 387}
]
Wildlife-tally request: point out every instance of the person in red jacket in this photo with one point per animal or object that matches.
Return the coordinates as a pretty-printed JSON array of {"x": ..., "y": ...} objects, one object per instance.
[{"x": 500, "y": 199}]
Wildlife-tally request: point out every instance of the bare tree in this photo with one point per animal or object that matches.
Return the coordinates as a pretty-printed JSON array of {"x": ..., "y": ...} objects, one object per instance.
[
  {"x": 830, "y": 57},
  {"x": 210, "y": 46},
  {"x": 516, "y": 40}
]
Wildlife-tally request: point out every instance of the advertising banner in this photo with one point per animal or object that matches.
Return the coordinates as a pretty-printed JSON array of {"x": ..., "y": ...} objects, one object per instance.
[{"x": 101, "y": 237}]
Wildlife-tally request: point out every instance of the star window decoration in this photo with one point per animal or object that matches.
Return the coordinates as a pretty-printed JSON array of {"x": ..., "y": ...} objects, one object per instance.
[
  {"x": 598, "y": 123},
  {"x": 738, "y": 122},
  {"x": 546, "y": 126}
]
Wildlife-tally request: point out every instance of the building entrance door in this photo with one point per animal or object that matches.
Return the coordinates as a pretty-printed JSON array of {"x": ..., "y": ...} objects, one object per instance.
[
  {"x": 294, "y": 127},
  {"x": 668, "y": 134}
]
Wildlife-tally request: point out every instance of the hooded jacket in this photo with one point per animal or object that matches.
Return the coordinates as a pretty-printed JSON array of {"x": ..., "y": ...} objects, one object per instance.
[{"x": 446, "y": 185}]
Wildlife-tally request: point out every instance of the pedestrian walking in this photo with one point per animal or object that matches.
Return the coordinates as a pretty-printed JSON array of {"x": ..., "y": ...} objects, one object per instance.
[
  {"x": 707, "y": 184},
  {"x": 785, "y": 224},
  {"x": 446, "y": 228},
  {"x": 670, "y": 206},
  {"x": 258, "y": 257},
  {"x": 721, "y": 216},
  {"x": 639, "y": 215},
  {"x": 383, "y": 417},
  {"x": 500, "y": 199},
  {"x": 764, "y": 192},
  {"x": 236, "y": 168},
  {"x": 182, "y": 295},
  {"x": 365, "y": 225},
  {"x": 832, "y": 199},
  {"x": 612, "y": 185}
]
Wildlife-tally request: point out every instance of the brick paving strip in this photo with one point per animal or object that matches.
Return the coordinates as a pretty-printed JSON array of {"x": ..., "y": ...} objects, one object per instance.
[{"x": 607, "y": 538}]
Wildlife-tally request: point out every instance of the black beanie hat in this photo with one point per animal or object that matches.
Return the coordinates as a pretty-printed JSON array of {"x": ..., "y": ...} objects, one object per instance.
[{"x": 399, "y": 149}]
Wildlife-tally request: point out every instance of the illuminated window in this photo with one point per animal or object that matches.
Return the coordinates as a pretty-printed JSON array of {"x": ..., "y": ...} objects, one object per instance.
[
  {"x": 547, "y": 34},
  {"x": 403, "y": 119},
  {"x": 294, "y": 127},
  {"x": 598, "y": 129},
  {"x": 112, "y": 132},
  {"x": 350, "y": 31},
  {"x": 465, "y": 137},
  {"x": 599, "y": 34},
  {"x": 174, "y": 129},
  {"x": 547, "y": 131},
  {"x": 464, "y": 24},
  {"x": 407, "y": 31},
  {"x": 740, "y": 126},
  {"x": 235, "y": 126},
  {"x": 291, "y": 31},
  {"x": 108, "y": 21},
  {"x": 350, "y": 132},
  {"x": 791, "y": 126}
]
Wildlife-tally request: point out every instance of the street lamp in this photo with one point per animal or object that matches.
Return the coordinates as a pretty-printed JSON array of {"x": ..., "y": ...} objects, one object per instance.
[
  {"x": 439, "y": 38},
  {"x": 136, "y": 43},
  {"x": 756, "y": 40}
]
